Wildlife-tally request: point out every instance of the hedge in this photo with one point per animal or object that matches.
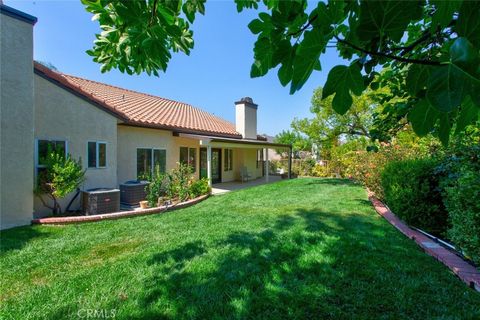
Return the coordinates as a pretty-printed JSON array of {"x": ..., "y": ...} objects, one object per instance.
[{"x": 412, "y": 191}]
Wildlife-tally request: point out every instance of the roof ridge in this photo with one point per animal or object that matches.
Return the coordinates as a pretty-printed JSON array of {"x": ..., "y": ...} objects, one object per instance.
[
  {"x": 146, "y": 94},
  {"x": 124, "y": 89}
]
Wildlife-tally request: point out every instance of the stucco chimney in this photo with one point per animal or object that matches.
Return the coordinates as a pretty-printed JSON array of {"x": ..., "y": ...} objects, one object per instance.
[{"x": 246, "y": 118}]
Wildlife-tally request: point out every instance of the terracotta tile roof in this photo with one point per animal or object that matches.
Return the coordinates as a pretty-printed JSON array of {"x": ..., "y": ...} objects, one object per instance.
[{"x": 143, "y": 109}]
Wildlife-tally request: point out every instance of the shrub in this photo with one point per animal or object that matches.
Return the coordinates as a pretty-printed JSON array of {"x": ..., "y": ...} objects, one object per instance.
[
  {"x": 303, "y": 167},
  {"x": 156, "y": 188},
  {"x": 366, "y": 168},
  {"x": 320, "y": 170},
  {"x": 411, "y": 189},
  {"x": 61, "y": 176},
  {"x": 178, "y": 182},
  {"x": 199, "y": 188},
  {"x": 461, "y": 193}
]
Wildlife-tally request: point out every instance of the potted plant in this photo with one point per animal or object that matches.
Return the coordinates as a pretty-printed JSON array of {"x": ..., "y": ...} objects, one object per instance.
[{"x": 144, "y": 204}]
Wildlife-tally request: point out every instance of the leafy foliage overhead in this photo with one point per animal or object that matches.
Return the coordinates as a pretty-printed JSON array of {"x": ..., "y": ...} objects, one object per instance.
[{"x": 431, "y": 46}]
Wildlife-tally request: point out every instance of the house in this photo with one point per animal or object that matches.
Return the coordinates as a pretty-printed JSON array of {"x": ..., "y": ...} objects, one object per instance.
[{"x": 119, "y": 134}]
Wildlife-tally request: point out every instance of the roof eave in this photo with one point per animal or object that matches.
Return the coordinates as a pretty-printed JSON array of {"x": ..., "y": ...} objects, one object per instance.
[
  {"x": 17, "y": 14},
  {"x": 56, "y": 79},
  {"x": 178, "y": 130}
]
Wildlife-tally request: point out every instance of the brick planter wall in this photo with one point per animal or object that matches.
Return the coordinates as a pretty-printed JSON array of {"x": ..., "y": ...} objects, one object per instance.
[
  {"x": 117, "y": 215},
  {"x": 465, "y": 271}
]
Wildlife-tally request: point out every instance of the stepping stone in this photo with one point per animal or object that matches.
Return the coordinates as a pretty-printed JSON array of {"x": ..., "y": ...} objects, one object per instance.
[{"x": 430, "y": 245}]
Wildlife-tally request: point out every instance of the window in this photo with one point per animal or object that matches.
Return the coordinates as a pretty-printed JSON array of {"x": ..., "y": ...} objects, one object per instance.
[
  {"x": 228, "y": 164},
  {"x": 189, "y": 156},
  {"x": 44, "y": 147},
  {"x": 97, "y": 154},
  {"x": 147, "y": 157},
  {"x": 259, "y": 158}
]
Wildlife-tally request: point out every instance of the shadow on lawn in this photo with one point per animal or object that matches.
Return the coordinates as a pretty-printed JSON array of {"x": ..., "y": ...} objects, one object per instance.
[
  {"x": 17, "y": 238},
  {"x": 332, "y": 181},
  {"x": 308, "y": 265}
]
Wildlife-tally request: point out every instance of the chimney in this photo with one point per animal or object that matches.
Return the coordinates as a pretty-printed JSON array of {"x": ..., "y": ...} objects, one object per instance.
[{"x": 246, "y": 118}]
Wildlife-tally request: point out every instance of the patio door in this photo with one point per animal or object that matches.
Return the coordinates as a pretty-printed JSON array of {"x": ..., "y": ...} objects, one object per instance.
[{"x": 216, "y": 164}]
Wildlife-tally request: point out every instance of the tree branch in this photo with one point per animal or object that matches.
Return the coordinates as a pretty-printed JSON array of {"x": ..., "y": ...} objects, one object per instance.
[
  {"x": 386, "y": 55},
  {"x": 426, "y": 35},
  {"x": 154, "y": 12},
  {"x": 309, "y": 23}
]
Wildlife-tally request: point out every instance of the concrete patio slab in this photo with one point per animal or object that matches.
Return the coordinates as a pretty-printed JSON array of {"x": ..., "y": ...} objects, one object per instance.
[{"x": 222, "y": 188}]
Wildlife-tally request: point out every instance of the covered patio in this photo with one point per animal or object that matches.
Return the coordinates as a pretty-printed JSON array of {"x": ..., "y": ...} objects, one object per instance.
[
  {"x": 224, "y": 187},
  {"x": 231, "y": 164}
]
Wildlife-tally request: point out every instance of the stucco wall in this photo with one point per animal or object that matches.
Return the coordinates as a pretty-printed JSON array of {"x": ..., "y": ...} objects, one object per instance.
[
  {"x": 131, "y": 138},
  {"x": 60, "y": 115},
  {"x": 246, "y": 120},
  {"x": 230, "y": 175},
  {"x": 16, "y": 122},
  {"x": 243, "y": 157}
]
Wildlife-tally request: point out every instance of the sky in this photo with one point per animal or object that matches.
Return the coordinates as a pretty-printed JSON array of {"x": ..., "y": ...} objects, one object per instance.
[{"x": 212, "y": 77}]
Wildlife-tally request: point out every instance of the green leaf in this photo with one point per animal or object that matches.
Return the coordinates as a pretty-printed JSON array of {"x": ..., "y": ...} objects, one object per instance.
[
  {"x": 307, "y": 58},
  {"x": 256, "y": 26},
  {"x": 246, "y": 4},
  {"x": 417, "y": 78},
  {"x": 423, "y": 117},
  {"x": 468, "y": 23},
  {"x": 342, "y": 80},
  {"x": 331, "y": 14},
  {"x": 469, "y": 114},
  {"x": 447, "y": 86},
  {"x": 263, "y": 52},
  {"x": 444, "y": 128},
  {"x": 381, "y": 19},
  {"x": 444, "y": 12},
  {"x": 462, "y": 52}
]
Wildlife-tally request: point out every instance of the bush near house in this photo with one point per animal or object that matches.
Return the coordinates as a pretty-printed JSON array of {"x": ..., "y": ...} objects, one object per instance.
[
  {"x": 411, "y": 190},
  {"x": 177, "y": 185},
  {"x": 61, "y": 176},
  {"x": 199, "y": 188}
]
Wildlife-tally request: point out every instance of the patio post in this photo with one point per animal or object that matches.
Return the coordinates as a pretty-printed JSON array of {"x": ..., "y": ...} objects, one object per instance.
[
  {"x": 266, "y": 164},
  {"x": 290, "y": 163},
  {"x": 209, "y": 164}
]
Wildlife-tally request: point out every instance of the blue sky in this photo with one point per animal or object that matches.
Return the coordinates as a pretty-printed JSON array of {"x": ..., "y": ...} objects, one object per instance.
[{"x": 214, "y": 75}]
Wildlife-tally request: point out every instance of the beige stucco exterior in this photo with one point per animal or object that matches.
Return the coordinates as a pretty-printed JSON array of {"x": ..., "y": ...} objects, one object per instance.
[
  {"x": 131, "y": 138},
  {"x": 61, "y": 115},
  {"x": 246, "y": 120},
  {"x": 16, "y": 122}
]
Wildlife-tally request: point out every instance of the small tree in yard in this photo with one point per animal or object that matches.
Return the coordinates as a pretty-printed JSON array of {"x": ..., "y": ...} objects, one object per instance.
[{"x": 61, "y": 176}]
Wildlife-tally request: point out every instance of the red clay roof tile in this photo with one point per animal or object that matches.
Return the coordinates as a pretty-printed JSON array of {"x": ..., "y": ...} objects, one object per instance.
[{"x": 143, "y": 109}]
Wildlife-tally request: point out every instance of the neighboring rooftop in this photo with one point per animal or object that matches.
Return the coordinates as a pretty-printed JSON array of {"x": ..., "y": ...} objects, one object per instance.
[
  {"x": 141, "y": 109},
  {"x": 14, "y": 13}
]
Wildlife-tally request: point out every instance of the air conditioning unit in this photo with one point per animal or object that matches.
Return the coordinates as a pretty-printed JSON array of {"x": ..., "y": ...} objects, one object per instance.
[
  {"x": 132, "y": 192},
  {"x": 100, "y": 200}
]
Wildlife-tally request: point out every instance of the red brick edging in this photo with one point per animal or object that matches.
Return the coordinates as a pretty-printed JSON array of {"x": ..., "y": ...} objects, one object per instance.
[
  {"x": 465, "y": 271},
  {"x": 117, "y": 215}
]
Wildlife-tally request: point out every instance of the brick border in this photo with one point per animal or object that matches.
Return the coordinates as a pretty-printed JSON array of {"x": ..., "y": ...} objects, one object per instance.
[
  {"x": 117, "y": 215},
  {"x": 465, "y": 271}
]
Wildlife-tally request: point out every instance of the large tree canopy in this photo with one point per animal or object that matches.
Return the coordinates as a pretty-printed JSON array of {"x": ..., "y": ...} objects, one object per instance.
[{"x": 432, "y": 46}]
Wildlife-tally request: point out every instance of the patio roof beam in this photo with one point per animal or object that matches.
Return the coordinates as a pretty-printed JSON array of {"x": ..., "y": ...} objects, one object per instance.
[{"x": 234, "y": 143}]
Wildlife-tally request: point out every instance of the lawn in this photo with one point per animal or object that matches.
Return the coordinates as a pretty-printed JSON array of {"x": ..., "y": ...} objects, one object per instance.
[{"x": 304, "y": 248}]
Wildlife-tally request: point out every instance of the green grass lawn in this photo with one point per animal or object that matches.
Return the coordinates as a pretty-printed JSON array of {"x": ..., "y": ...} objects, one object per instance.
[{"x": 304, "y": 248}]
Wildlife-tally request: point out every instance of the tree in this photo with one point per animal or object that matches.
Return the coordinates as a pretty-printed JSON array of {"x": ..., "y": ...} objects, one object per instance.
[
  {"x": 329, "y": 125},
  {"x": 433, "y": 46},
  {"x": 295, "y": 139},
  {"x": 61, "y": 176}
]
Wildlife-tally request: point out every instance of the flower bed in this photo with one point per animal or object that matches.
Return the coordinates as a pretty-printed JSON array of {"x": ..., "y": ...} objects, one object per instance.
[{"x": 118, "y": 215}]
